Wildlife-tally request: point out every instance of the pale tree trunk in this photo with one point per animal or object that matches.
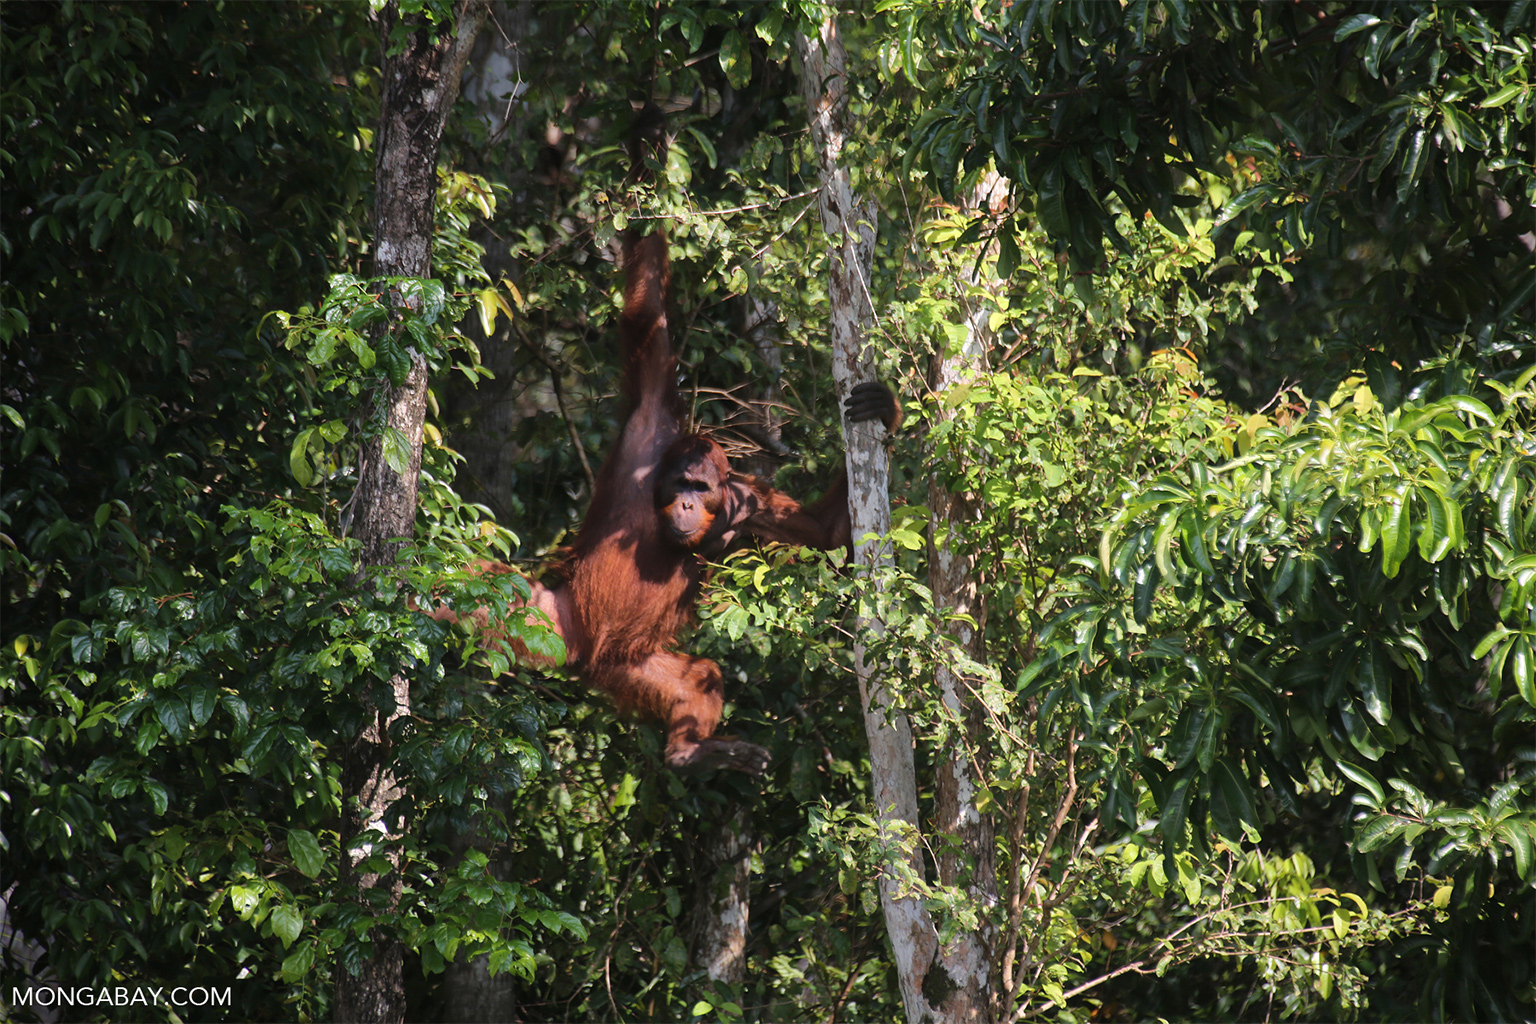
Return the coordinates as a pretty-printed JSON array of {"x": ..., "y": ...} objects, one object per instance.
[
  {"x": 965, "y": 991},
  {"x": 850, "y": 229},
  {"x": 420, "y": 85},
  {"x": 720, "y": 901}
]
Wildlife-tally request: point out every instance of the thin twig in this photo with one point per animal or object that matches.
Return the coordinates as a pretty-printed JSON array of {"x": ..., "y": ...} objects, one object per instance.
[{"x": 774, "y": 203}]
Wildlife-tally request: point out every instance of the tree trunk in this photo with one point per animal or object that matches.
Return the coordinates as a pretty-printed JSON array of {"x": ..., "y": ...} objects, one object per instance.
[
  {"x": 850, "y": 228},
  {"x": 471, "y": 993},
  {"x": 964, "y": 991},
  {"x": 966, "y": 961},
  {"x": 420, "y": 85},
  {"x": 720, "y": 903}
]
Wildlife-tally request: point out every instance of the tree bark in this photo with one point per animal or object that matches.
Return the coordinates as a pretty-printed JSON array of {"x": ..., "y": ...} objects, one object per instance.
[
  {"x": 850, "y": 229},
  {"x": 471, "y": 993},
  {"x": 966, "y": 961},
  {"x": 721, "y": 900},
  {"x": 420, "y": 85},
  {"x": 964, "y": 991}
]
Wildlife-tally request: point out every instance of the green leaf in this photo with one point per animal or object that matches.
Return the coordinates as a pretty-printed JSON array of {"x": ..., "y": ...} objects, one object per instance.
[
  {"x": 1413, "y": 165},
  {"x": 1396, "y": 532},
  {"x": 1441, "y": 527},
  {"x": 736, "y": 59},
  {"x": 1386, "y": 147},
  {"x": 1520, "y": 845},
  {"x": 1486, "y": 643},
  {"x": 1008, "y": 256},
  {"x": 1235, "y": 799},
  {"x": 1376, "y": 682},
  {"x": 397, "y": 450},
  {"x": 299, "y": 963},
  {"x": 174, "y": 716},
  {"x": 298, "y": 460},
  {"x": 306, "y": 852},
  {"x": 486, "y": 303},
  {"x": 1175, "y": 813},
  {"x": 237, "y": 708},
  {"x": 1504, "y": 95},
  {"x": 1523, "y": 667},
  {"x": 1192, "y": 526},
  {"x": 287, "y": 923},
  {"x": 1256, "y": 196},
  {"x": 705, "y": 145},
  {"x": 1357, "y": 23},
  {"x": 203, "y": 702},
  {"x": 1365, "y": 780},
  {"x": 769, "y": 26},
  {"x": 1378, "y": 831},
  {"x": 1052, "y": 204}
]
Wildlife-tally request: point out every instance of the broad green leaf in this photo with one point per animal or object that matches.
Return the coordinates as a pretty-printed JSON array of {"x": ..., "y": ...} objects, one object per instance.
[
  {"x": 306, "y": 852},
  {"x": 736, "y": 59},
  {"x": 397, "y": 450},
  {"x": 1484, "y": 645},
  {"x": 287, "y": 923},
  {"x": 1193, "y": 533},
  {"x": 1257, "y": 196},
  {"x": 1175, "y": 813},
  {"x": 202, "y": 703},
  {"x": 1520, "y": 844},
  {"x": 174, "y": 716},
  {"x": 298, "y": 963},
  {"x": 298, "y": 458},
  {"x": 1435, "y": 531},
  {"x": 1412, "y": 167},
  {"x": 1522, "y": 667},
  {"x": 487, "y": 300},
  {"x": 1236, "y": 797}
]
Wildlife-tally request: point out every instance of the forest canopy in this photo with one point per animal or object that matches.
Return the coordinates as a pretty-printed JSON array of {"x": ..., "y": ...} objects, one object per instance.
[{"x": 1206, "y": 593}]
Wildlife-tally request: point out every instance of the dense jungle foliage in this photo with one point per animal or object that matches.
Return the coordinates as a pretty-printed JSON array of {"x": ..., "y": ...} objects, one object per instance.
[{"x": 1247, "y": 443}]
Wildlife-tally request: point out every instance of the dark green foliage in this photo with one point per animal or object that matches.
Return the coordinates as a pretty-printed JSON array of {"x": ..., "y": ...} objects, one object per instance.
[
  {"x": 1354, "y": 599},
  {"x": 1257, "y": 687},
  {"x": 1386, "y": 146},
  {"x": 170, "y": 175},
  {"x": 187, "y": 643}
]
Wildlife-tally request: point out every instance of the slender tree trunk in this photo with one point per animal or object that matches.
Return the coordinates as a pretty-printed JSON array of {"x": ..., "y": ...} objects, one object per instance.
[
  {"x": 965, "y": 992},
  {"x": 420, "y": 85},
  {"x": 720, "y": 902},
  {"x": 850, "y": 228}
]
